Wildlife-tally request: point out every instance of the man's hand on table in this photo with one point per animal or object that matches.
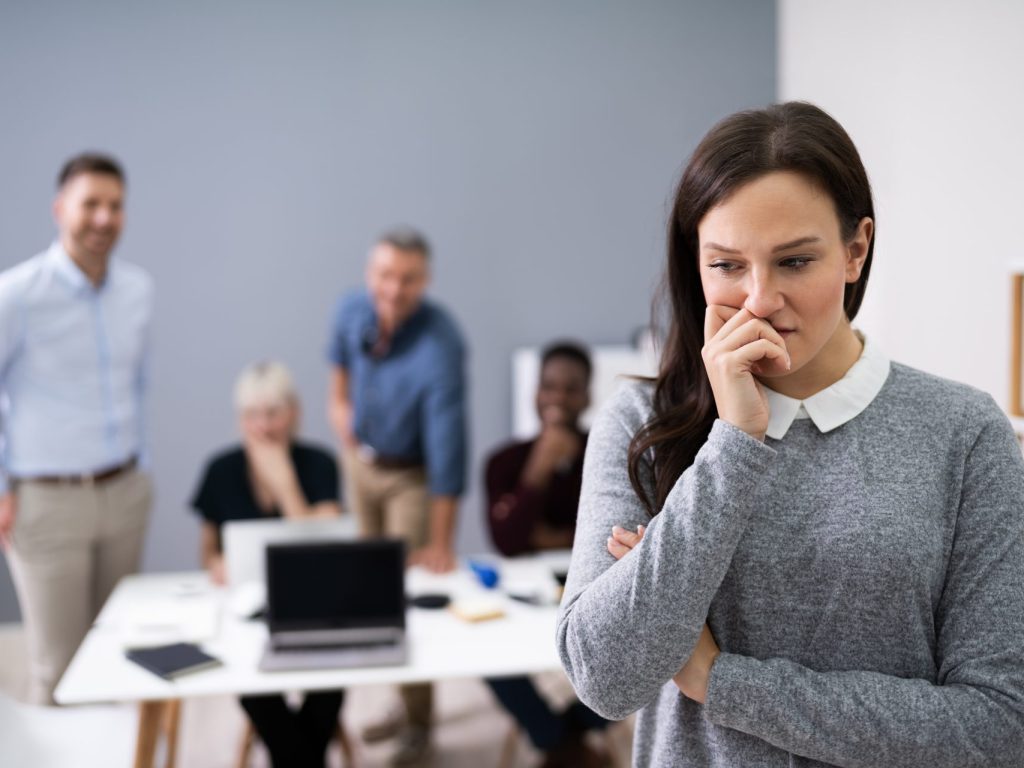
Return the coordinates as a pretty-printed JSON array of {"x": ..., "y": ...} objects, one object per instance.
[{"x": 433, "y": 557}]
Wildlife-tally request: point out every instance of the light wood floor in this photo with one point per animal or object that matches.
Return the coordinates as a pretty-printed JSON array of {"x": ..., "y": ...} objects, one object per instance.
[{"x": 469, "y": 732}]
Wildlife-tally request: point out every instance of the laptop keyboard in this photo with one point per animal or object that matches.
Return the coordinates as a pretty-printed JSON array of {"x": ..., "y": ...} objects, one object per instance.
[
  {"x": 333, "y": 656},
  {"x": 354, "y": 647}
]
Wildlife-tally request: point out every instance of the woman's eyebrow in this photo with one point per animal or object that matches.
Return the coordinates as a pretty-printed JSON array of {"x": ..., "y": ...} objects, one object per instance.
[
  {"x": 717, "y": 247},
  {"x": 807, "y": 240},
  {"x": 797, "y": 243}
]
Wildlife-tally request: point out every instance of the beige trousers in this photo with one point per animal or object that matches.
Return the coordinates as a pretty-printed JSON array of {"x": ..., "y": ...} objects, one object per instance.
[
  {"x": 392, "y": 502},
  {"x": 71, "y": 544}
]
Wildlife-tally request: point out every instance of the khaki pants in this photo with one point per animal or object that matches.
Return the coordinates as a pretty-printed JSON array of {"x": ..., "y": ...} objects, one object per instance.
[
  {"x": 70, "y": 546},
  {"x": 392, "y": 502}
]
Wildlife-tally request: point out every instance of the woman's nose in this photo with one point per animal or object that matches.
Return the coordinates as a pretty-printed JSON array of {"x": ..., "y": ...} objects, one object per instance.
[{"x": 763, "y": 297}]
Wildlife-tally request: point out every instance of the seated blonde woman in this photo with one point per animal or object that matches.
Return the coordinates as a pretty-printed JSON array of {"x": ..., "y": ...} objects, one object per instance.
[{"x": 272, "y": 474}]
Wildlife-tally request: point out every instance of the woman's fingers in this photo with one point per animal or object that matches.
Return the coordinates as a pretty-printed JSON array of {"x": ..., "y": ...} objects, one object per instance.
[
  {"x": 748, "y": 332},
  {"x": 617, "y": 550},
  {"x": 738, "y": 329},
  {"x": 622, "y": 541},
  {"x": 719, "y": 318},
  {"x": 756, "y": 352},
  {"x": 737, "y": 348},
  {"x": 628, "y": 538}
]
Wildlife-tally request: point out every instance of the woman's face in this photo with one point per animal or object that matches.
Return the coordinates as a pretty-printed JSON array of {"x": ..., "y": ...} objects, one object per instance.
[
  {"x": 274, "y": 421},
  {"x": 775, "y": 248}
]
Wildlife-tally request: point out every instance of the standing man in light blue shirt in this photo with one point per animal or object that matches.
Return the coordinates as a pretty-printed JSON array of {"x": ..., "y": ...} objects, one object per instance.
[{"x": 74, "y": 330}]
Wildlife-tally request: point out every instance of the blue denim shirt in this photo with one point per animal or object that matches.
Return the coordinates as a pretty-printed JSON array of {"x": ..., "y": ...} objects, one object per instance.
[{"x": 411, "y": 403}]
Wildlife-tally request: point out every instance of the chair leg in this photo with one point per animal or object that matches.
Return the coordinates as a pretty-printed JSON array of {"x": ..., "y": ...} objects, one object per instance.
[
  {"x": 248, "y": 736},
  {"x": 508, "y": 749}
]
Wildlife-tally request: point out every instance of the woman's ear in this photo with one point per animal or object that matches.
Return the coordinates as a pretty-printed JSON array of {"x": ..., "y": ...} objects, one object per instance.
[{"x": 857, "y": 249}]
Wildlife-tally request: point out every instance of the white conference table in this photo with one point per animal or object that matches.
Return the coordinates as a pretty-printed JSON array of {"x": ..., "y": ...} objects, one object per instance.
[{"x": 441, "y": 646}]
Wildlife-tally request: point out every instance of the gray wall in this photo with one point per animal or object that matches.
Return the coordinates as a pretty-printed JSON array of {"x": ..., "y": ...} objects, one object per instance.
[{"x": 535, "y": 142}]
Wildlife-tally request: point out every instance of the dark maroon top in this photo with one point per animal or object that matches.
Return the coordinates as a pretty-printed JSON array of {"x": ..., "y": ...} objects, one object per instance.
[{"x": 513, "y": 510}]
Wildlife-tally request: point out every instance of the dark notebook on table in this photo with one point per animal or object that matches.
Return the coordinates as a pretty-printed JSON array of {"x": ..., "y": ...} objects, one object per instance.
[{"x": 174, "y": 660}]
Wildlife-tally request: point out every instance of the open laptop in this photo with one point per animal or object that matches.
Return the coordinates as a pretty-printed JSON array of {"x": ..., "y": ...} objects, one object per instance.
[
  {"x": 335, "y": 604},
  {"x": 245, "y": 542}
]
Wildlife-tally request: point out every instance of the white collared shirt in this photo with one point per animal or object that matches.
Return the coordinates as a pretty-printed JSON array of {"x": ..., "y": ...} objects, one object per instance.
[
  {"x": 72, "y": 360},
  {"x": 834, "y": 405}
]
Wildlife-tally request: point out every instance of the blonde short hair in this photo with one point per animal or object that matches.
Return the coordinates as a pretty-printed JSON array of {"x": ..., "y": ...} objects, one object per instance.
[{"x": 264, "y": 383}]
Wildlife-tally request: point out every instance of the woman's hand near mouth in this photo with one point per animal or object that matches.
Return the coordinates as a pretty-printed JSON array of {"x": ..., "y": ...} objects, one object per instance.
[{"x": 737, "y": 347}]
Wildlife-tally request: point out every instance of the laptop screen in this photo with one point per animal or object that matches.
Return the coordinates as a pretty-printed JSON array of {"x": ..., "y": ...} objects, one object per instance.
[
  {"x": 245, "y": 541},
  {"x": 336, "y": 585}
]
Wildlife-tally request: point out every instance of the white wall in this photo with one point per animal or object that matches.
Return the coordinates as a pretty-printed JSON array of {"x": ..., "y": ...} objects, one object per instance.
[
  {"x": 612, "y": 365},
  {"x": 933, "y": 95}
]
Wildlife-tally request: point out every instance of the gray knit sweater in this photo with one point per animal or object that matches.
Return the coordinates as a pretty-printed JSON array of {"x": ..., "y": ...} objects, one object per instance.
[{"x": 865, "y": 585}]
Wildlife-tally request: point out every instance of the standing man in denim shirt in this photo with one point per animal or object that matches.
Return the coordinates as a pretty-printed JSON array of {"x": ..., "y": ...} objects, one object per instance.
[
  {"x": 74, "y": 329},
  {"x": 397, "y": 403}
]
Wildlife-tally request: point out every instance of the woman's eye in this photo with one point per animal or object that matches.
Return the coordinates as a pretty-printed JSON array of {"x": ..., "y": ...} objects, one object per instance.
[
  {"x": 722, "y": 266},
  {"x": 796, "y": 262}
]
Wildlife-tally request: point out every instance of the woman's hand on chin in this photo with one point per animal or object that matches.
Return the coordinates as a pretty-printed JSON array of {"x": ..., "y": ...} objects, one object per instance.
[
  {"x": 271, "y": 463},
  {"x": 738, "y": 346}
]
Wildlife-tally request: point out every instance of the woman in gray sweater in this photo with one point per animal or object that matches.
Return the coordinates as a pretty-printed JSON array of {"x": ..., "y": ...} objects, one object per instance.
[{"x": 828, "y": 567}]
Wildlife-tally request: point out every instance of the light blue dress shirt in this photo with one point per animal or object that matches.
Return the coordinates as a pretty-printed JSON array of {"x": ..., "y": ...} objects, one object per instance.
[{"x": 72, "y": 366}]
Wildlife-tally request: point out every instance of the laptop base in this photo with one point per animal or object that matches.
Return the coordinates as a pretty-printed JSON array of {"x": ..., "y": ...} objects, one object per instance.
[{"x": 333, "y": 657}]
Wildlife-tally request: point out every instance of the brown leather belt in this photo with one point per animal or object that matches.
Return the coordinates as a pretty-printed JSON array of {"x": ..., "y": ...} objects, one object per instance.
[
  {"x": 388, "y": 462},
  {"x": 93, "y": 478},
  {"x": 374, "y": 459}
]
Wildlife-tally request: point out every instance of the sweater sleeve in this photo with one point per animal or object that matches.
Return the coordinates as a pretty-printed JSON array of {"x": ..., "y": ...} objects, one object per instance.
[
  {"x": 626, "y": 627},
  {"x": 973, "y": 714}
]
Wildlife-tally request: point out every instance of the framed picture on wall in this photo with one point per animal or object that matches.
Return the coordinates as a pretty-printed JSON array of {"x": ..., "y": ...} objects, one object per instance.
[{"x": 1017, "y": 343}]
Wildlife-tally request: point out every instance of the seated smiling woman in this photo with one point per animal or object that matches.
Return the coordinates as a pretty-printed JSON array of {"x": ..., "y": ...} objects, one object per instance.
[
  {"x": 271, "y": 474},
  {"x": 831, "y": 568}
]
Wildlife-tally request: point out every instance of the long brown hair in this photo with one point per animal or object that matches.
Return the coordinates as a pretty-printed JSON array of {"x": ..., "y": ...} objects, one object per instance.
[{"x": 794, "y": 136}]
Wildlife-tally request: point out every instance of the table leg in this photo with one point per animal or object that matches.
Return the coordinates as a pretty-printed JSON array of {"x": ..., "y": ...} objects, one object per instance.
[
  {"x": 157, "y": 718},
  {"x": 150, "y": 716},
  {"x": 172, "y": 715}
]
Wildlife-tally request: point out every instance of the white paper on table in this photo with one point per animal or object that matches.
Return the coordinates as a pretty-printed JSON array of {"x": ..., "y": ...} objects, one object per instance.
[{"x": 170, "y": 620}]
